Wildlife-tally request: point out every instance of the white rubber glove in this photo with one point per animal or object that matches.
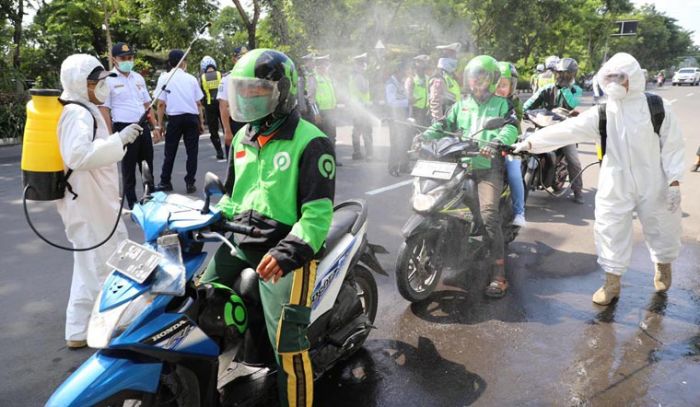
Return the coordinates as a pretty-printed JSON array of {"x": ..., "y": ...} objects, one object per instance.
[
  {"x": 521, "y": 146},
  {"x": 673, "y": 199},
  {"x": 129, "y": 133}
]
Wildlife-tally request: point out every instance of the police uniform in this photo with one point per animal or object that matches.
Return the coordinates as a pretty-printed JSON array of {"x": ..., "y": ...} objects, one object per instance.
[
  {"x": 211, "y": 82},
  {"x": 126, "y": 102},
  {"x": 180, "y": 97}
]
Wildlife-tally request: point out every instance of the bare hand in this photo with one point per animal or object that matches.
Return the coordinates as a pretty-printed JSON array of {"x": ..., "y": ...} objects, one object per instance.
[
  {"x": 269, "y": 269},
  {"x": 157, "y": 136},
  {"x": 228, "y": 137}
]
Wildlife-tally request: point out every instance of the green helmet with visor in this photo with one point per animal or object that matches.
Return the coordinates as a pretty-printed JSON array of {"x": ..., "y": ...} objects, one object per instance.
[
  {"x": 262, "y": 84},
  {"x": 481, "y": 77}
]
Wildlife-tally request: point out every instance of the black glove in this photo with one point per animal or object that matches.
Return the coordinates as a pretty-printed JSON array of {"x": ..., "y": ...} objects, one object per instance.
[{"x": 492, "y": 149}]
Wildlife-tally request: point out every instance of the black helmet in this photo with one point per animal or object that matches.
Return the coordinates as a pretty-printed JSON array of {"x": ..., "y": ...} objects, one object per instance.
[
  {"x": 565, "y": 72},
  {"x": 262, "y": 83}
]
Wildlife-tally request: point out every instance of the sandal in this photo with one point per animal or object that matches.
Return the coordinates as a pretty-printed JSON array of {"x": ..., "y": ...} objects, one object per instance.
[{"x": 497, "y": 288}]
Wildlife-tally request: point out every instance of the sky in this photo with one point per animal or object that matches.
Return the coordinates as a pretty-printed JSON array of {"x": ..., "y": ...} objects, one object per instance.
[{"x": 687, "y": 12}]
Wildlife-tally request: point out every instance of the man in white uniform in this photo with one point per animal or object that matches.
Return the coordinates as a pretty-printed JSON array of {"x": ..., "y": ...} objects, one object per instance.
[
  {"x": 182, "y": 102},
  {"x": 127, "y": 101},
  {"x": 641, "y": 172},
  {"x": 92, "y": 153}
]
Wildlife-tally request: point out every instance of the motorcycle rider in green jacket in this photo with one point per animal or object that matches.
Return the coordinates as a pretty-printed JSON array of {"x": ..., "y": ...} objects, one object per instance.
[
  {"x": 281, "y": 180},
  {"x": 467, "y": 116}
]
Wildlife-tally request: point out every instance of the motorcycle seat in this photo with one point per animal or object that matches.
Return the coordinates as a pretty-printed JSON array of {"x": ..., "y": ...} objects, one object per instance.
[{"x": 348, "y": 217}]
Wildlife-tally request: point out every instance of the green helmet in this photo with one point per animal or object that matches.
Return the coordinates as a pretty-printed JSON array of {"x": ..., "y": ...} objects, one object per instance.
[
  {"x": 481, "y": 76},
  {"x": 262, "y": 83},
  {"x": 509, "y": 75}
]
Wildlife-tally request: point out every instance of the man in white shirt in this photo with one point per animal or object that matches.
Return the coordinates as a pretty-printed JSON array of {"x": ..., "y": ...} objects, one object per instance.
[
  {"x": 181, "y": 101},
  {"x": 128, "y": 99}
]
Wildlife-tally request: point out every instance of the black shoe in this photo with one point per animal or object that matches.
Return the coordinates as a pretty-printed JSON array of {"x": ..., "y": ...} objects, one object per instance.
[
  {"x": 578, "y": 198},
  {"x": 394, "y": 172},
  {"x": 357, "y": 156},
  {"x": 191, "y": 189},
  {"x": 220, "y": 156},
  {"x": 338, "y": 164},
  {"x": 163, "y": 187}
]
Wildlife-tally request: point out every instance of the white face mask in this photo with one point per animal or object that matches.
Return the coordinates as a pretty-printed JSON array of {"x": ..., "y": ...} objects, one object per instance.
[
  {"x": 101, "y": 91},
  {"x": 615, "y": 90}
]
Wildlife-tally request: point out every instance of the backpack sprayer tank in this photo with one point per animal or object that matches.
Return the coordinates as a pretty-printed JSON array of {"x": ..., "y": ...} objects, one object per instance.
[{"x": 42, "y": 165}]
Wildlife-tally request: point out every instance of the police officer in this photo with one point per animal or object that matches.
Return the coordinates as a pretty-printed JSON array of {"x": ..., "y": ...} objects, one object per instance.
[
  {"x": 360, "y": 102},
  {"x": 211, "y": 79},
  {"x": 416, "y": 86},
  {"x": 231, "y": 127},
  {"x": 282, "y": 181},
  {"x": 127, "y": 100},
  {"x": 444, "y": 88},
  {"x": 325, "y": 98},
  {"x": 181, "y": 101}
]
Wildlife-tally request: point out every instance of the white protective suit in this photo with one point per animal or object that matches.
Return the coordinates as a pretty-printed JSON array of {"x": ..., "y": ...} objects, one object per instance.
[
  {"x": 90, "y": 217},
  {"x": 635, "y": 174}
]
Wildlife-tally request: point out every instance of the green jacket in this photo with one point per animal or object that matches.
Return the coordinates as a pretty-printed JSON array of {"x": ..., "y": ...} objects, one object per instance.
[
  {"x": 467, "y": 116},
  {"x": 285, "y": 189},
  {"x": 552, "y": 96},
  {"x": 517, "y": 107}
]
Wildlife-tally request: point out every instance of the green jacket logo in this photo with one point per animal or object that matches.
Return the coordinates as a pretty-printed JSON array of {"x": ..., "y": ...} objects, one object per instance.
[
  {"x": 326, "y": 166},
  {"x": 282, "y": 161}
]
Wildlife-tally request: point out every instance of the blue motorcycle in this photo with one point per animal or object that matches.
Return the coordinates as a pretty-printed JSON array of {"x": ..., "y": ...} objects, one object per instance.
[{"x": 163, "y": 340}]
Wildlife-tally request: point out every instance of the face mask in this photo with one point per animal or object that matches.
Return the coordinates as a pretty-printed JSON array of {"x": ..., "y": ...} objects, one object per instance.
[
  {"x": 101, "y": 91},
  {"x": 126, "y": 66},
  {"x": 252, "y": 108},
  {"x": 615, "y": 90}
]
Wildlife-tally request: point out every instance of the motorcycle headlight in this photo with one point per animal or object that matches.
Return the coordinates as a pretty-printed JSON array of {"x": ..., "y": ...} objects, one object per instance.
[
  {"x": 423, "y": 202},
  {"x": 109, "y": 324}
]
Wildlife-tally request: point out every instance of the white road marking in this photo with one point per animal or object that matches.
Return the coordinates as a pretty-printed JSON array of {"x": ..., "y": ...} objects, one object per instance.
[
  {"x": 389, "y": 187},
  {"x": 672, "y": 101},
  {"x": 690, "y": 94}
]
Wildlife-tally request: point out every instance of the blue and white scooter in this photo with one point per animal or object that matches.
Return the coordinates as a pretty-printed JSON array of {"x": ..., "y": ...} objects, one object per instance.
[{"x": 164, "y": 341}]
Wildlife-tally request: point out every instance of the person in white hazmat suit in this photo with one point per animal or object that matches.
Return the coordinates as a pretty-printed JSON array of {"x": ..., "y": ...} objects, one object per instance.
[
  {"x": 90, "y": 217},
  {"x": 641, "y": 172}
]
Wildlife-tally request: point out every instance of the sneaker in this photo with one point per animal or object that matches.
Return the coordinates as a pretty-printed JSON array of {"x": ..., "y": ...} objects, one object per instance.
[
  {"x": 191, "y": 188},
  {"x": 164, "y": 187},
  {"x": 519, "y": 220}
]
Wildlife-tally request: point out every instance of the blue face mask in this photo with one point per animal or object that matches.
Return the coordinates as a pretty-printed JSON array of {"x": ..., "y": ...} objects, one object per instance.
[{"x": 126, "y": 66}]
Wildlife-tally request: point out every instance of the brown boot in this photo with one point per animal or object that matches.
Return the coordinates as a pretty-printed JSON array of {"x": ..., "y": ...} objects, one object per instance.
[
  {"x": 662, "y": 277},
  {"x": 609, "y": 291},
  {"x": 76, "y": 344}
]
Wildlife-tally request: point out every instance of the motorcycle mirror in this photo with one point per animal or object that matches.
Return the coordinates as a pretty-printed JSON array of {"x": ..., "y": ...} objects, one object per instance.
[
  {"x": 495, "y": 123},
  {"x": 212, "y": 187},
  {"x": 147, "y": 177}
]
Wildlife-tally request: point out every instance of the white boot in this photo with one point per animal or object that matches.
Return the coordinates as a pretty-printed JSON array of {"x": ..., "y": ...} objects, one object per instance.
[
  {"x": 609, "y": 291},
  {"x": 662, "y": 277}
]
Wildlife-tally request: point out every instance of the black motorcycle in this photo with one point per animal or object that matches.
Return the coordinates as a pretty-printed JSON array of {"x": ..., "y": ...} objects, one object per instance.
[
  {"x": 447, "y": 222},
  {"x": 547, "y": 171}
]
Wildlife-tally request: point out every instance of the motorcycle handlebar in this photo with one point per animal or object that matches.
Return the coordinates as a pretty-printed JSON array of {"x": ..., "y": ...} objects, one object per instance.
[{"x": 241, "y": 229}]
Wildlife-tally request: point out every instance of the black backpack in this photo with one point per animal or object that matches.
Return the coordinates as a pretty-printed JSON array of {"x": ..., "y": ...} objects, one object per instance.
[
  {"x": 94, "y": 134},
  {"x": 656, "y": 109}
]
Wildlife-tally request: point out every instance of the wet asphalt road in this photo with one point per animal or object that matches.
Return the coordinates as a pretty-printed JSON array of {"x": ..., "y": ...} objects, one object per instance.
[{"x": 545, "y": 343}]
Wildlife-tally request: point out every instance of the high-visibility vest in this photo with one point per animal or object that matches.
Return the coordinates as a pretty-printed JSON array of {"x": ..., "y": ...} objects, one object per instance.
[
  {"x": 420, "y": 92},
  {"x": 325, "y": 94},
  {"x": 210, "y": 84},
  {"x": 452, "y": 86},
  {"x": 357, "y": 94}
]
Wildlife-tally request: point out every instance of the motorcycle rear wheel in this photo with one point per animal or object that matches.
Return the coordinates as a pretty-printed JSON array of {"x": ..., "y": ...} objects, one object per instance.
[
  {"x": 418, "y": 267},
  {"x": 366, "y": 291}
]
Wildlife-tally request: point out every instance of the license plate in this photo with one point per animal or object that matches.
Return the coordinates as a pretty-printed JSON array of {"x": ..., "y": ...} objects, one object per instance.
[
  {"x": 434, "y": 169},
  {"x": 134, "y": 260}
]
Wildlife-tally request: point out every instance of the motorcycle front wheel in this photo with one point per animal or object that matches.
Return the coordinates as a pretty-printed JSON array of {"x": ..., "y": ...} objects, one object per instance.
[
  {"x": 418, "y": 267},
  {"x": 179, "y": 388}
]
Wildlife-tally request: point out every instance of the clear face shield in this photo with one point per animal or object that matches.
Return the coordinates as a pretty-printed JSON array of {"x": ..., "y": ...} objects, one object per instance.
[
  {"x": 252, "y": 99},
  {"x": 478, "y": 83},
  {"x": 506, "y": 87},
  {"x": 619, "y": 78}
]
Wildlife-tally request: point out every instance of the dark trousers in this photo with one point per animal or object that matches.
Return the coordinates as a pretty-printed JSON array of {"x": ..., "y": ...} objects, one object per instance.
[
  {"x": 361, "y": 128},
  {"x": 140, "y": 150},
  {"x": 184, "y": 126},
  {"x": 421, "y": 116},
  {"x": 211, "y": 111},
  {"x": 400, "y": 140},
  {"x": 235, "y": 126},
  {"x": 327, "y": 125}
]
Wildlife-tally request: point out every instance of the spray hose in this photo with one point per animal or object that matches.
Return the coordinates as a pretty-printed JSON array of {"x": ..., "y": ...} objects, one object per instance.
[
  {"x": 568, "y": 188},
  {"x": 66, "y": 248}
]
